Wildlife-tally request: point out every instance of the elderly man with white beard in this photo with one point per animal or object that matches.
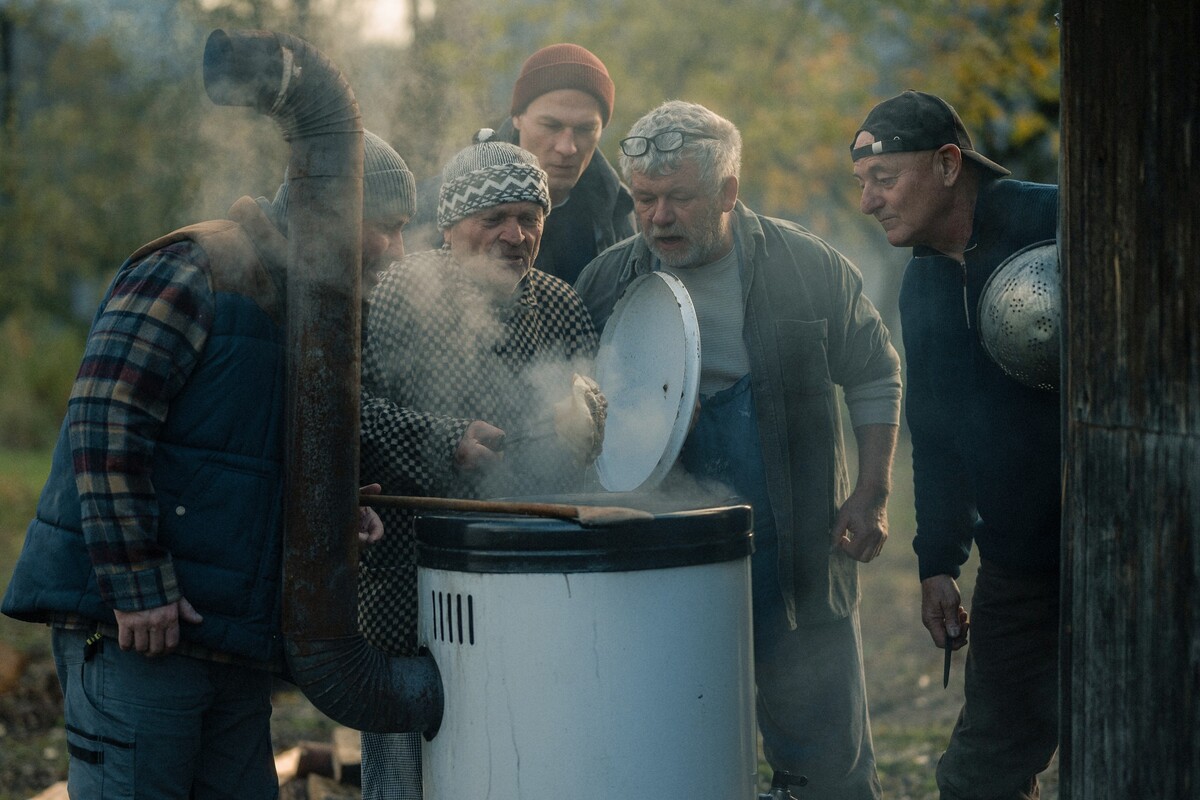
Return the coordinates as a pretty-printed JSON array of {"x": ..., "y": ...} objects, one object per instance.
[
  {"x": 783, "y": 321},
  {"x": 467, "y": 346}
]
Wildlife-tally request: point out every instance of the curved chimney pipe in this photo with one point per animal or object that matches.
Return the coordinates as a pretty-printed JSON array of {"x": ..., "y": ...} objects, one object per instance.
[{"x": 348, "y": 680}]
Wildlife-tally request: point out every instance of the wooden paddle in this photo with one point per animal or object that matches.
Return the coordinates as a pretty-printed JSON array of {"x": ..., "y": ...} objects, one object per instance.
[{"x": 593, "y": 516}]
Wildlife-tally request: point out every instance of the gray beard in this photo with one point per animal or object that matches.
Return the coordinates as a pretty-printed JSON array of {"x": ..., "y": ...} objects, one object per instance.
[{"x": 701, "y": 250}]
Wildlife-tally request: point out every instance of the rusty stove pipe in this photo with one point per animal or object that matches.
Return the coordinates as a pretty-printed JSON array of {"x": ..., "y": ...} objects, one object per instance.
[{"x": 353, "y": 683}]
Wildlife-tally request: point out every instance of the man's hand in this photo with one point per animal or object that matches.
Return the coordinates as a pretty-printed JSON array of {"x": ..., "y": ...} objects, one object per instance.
[
  {"x": 370, "y": 526},
  {"x": 155, "y": 631},
  {"x": 942, "y": 612},
  {"x": 861, "y": 527},
  {"x": 477, "y": 447}
]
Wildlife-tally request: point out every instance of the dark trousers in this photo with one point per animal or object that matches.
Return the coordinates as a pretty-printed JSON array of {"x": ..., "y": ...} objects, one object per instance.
[{"x": 1007, "y": 731}]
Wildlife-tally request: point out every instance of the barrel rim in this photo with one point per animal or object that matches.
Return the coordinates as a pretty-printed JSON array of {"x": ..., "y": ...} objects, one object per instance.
[{"x": 495, "y": 543}]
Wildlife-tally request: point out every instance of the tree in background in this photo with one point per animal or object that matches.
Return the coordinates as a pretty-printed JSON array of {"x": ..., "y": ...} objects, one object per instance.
[
  {"x": 107, "y": 138},
  {"x": 87, "y": 163},
  {"x": 86, "y": 145},
  {"x": 799, "y": 77}
]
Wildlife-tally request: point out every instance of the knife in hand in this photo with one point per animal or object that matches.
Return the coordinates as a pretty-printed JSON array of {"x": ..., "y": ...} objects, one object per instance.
[{"x": 946, "y": 666}]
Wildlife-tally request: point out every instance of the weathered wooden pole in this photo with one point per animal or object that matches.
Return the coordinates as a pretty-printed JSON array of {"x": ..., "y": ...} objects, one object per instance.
[{"x": 1131, "y": 400}]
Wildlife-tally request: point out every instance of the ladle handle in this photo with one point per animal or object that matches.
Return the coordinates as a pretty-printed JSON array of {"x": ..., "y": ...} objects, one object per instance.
[{"x": 553, "y": 510}]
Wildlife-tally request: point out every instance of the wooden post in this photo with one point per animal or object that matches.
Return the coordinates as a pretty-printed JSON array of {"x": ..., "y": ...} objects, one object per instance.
[{"x": 1131, "y": 400}]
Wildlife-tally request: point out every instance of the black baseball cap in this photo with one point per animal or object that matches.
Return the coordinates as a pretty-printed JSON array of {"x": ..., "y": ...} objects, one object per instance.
[{"x": 914, "y": 121}]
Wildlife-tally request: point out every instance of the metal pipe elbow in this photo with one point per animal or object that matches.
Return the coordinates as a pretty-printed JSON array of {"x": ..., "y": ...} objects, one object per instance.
[{"x": 304, "y": 92}]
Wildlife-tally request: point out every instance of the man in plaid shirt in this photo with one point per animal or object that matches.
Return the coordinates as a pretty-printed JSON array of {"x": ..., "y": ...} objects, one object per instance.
[{"x": 156, "y": 550}]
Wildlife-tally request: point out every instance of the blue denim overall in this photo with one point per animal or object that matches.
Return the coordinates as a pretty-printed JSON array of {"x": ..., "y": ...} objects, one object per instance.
[{"x": 723, "y": 446}]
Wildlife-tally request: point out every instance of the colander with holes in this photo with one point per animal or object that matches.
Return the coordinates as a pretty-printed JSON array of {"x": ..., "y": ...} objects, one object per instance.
[{"x": 1019, "y": 316}]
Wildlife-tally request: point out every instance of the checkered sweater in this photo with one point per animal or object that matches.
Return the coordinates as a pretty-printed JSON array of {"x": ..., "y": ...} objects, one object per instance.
[{"x": 438, "y": 355}]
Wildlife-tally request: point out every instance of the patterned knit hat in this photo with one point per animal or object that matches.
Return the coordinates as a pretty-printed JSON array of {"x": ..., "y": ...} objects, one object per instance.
[
  {"x": 563, "y": 66},
  {"x": 389, "y": 189},
  {"x": 489, "y": 173}
]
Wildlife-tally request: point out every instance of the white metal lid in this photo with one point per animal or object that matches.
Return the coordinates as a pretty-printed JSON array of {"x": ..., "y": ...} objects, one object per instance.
[{"x": 648, "y": 367}]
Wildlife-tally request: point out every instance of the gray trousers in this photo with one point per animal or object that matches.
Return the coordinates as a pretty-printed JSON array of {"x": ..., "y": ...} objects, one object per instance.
[
  {"x": 812, "y": 707},
  {"x": 1007, "y": 731}
]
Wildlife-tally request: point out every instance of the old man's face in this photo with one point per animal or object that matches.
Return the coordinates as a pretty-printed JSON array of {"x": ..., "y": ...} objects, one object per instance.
[
  {"x": 498, "y": 244},
  {"x": 684, "y": 222},
  {"x": 906, "y": 193}
]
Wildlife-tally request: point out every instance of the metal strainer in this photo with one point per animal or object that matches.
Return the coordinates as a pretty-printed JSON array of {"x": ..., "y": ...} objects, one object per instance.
[{"x": 1019, "y": 316}]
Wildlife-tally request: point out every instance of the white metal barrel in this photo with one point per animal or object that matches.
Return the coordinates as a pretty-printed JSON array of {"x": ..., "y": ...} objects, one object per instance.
[{"x": 590, "y": 662}]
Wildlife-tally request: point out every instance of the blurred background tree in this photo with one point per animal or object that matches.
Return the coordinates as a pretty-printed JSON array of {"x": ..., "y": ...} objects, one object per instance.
[{"x": 107, "y": 139}]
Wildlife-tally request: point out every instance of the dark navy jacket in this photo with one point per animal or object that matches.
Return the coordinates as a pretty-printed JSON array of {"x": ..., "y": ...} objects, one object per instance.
[
  {"x": 986, "y": 449},
  {"x": 217, "y": 475}
]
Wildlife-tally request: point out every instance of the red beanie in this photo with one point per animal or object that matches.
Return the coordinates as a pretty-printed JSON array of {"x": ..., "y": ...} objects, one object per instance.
[{"x": 563, "y": 66}]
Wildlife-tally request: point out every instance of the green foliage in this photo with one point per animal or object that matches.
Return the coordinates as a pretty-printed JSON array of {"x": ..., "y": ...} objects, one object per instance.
[
  {"x": 38, "y": 361},
  {"x": 798, "y": 77},
  {"x": 22, "y": 474},
  {"x": 997, "y": 61},
  {"x": 89, "y": 164},
  {"x": 107, "y": 138}
]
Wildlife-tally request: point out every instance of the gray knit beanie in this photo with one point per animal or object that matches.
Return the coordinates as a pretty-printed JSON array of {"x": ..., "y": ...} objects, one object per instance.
[
  {"x": 389, "y": 189},
  {"x": 489, "y": 173}
]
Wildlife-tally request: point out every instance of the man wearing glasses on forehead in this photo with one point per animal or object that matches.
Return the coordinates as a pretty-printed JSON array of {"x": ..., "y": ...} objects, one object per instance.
[{"x": 783, "y": 321}]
